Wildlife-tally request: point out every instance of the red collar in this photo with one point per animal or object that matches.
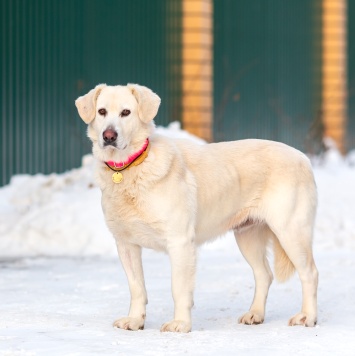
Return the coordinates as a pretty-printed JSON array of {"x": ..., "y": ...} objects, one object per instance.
[{"x": 134, "y": 159}]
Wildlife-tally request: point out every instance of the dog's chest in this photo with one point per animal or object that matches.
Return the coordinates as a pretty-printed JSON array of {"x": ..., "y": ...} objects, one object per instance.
[{"x": 129, "y": 216}]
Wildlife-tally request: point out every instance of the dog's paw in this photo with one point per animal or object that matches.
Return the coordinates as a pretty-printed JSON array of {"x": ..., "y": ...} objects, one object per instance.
[
  {"x": 129, "y": 324},
  {"x": 251, "y": 318},
  {"x": 303, "y": 319},
  {"x": 176, "y": 326}
]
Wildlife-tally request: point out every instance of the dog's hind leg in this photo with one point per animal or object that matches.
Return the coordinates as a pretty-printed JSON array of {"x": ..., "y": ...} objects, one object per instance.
[
  {"x": 297, "y": 244},
  {"x": 291, "y": 208},
  {"x": 253, "y": 244}
]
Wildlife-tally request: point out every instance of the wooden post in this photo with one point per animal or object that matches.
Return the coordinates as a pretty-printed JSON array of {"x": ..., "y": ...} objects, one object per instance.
[
  {"x": 334, "y": 76},
  {"x": 197, "y": 71}
]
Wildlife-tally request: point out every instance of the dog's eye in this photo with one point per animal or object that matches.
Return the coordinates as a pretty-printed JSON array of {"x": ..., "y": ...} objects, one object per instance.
[
  {"x": 125, "y": 112},
  {"x": 102, "y": 112}
]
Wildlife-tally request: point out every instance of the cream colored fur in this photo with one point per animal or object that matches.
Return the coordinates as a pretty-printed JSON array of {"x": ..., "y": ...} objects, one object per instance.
[{"x": 185, "y": 194}]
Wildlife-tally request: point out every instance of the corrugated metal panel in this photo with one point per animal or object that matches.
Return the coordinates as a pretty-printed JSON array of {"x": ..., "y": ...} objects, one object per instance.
[
  {"x": 54, "y": 51},
  {"x": 351, "y": 76},
  {"x": 266, "y": 69},
  {"x": 125, "y": 41},
  {"x": 40, "y": 59},
  {"x": 173, "y": 42}
]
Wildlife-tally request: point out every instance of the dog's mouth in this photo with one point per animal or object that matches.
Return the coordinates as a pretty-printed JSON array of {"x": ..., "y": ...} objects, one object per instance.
[{"x": 113, "y": 146}]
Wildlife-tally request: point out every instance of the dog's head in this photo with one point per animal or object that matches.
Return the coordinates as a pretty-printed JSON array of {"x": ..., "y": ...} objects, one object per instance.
[{"x": 119, "y": 118}]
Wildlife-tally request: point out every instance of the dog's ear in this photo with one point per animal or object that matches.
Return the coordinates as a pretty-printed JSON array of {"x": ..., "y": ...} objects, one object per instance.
[
  {"x": 86, "y": 104},
  {"x": 148, "y": 102}
]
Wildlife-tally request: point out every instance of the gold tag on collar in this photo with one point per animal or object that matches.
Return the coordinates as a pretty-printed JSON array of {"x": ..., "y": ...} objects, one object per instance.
[{"x": 117, "y": 177}]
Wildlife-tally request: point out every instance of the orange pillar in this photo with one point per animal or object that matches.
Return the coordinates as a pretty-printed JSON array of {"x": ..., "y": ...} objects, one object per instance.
[
  {"x": 197, "y": 71},
  {"x": 334, "y": 74}
]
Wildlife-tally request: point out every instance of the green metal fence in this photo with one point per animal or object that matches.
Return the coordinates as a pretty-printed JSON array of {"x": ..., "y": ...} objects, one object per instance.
[
  {"x": 267, "y": 71},
  {"x": 267, "y": 57},
  {"x": 53, "y": 51},
  {"x": 40, "y": 62}
]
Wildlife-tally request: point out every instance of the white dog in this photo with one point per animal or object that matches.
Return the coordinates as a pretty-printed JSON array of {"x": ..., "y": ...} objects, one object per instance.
[{"x": 173, "y": 195}]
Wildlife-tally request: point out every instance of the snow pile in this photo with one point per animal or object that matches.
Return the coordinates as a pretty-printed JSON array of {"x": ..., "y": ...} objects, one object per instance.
[
  {"x": 60, "y": 214},
  {"x": 54, "y": 215},
  {"x": 174, "y": 131},
  {"x": 335, "y": 224}
]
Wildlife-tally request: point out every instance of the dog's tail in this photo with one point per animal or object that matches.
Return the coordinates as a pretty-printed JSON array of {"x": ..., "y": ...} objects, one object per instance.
[{"x": 283, "y": 266}]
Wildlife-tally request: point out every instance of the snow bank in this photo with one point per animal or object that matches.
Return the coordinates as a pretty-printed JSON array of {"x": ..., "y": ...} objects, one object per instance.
[
  {"x": 60, "y": 214},
  {"x": 54, "y": 215}
]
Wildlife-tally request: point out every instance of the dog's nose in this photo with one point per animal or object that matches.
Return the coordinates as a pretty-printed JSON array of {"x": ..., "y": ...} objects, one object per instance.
[{"x": 110, "y": 136}]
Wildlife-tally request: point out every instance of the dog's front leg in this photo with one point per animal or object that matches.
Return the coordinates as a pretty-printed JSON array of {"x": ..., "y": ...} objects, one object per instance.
[
  {"x": 183, "y": 265},
  {"x": 131, "y": 259}
]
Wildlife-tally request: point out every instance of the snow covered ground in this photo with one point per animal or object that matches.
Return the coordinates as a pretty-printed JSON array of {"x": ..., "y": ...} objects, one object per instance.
[{"x": 62, "y": 286}]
